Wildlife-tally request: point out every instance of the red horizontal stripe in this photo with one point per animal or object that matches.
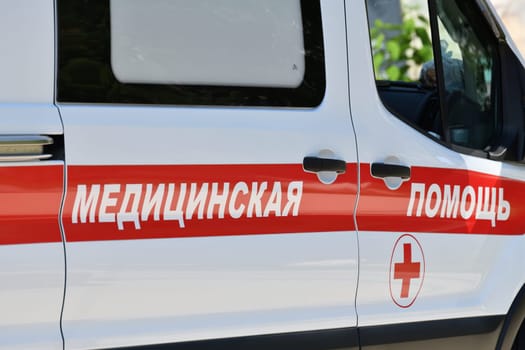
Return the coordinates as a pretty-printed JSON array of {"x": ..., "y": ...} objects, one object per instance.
[
  {"x": 30, "y": 203},
  {"x": 382, "y": 209},
  {"x": 322, "y": 208}
]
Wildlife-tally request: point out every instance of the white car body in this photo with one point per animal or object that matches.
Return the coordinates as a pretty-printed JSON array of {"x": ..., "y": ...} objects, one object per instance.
[{"x": 198, "y": 225}]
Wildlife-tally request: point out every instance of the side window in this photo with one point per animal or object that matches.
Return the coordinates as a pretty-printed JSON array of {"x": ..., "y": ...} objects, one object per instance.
[
  {"x": 214, "y": 48},
  {"x": 447, "y": 90},
  {"x": 191, "y": 52}
]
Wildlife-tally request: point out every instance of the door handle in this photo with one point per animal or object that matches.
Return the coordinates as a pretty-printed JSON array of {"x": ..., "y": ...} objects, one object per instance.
[
  {"x": 316, "y": 165},
  {"x": 24, "y": 148},
  {"x": 382, "y": 170}
]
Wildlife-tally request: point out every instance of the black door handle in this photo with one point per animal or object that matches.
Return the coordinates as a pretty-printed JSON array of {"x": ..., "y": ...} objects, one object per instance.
[
  {"x": 316, "y": 165},
  {"x": 383, "y": 170}
]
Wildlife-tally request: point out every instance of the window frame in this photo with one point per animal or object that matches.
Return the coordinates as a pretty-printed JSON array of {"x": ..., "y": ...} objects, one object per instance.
[
  {"x": 77, "y": 25},
  {"x": 484, "y": 21}
]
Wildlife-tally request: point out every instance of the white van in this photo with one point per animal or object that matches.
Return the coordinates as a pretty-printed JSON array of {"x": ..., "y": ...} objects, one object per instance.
[{"x": 260, "y": 174}]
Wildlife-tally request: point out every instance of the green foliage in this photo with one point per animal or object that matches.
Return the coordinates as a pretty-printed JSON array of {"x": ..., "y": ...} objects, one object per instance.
[{"x": 399, "y": 47}]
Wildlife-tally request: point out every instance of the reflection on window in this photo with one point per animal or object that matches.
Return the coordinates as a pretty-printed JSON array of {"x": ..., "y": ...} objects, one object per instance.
[
  {"x": 208, "y": 42},
  {"x": 400, "y": 37},
  {"x": 191, "y": 52},
  {"x": 468, "y": 64}
]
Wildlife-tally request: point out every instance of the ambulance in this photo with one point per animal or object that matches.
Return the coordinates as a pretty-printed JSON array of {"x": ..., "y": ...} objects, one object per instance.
[{"x": 260, "y": 174}]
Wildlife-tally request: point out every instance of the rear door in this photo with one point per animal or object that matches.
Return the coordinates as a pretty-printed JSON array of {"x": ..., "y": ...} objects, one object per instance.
[
  {"x": 211, "y": 172},
  {"x": 31, "y": 180}
]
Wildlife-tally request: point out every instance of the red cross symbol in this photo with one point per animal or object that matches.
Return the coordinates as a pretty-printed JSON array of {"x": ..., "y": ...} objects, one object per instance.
[{"x": 407, "y": 270}]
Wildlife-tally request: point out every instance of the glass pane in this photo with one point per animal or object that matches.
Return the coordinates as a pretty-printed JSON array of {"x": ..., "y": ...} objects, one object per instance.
[
  {"x": 404, "y": 62},
  {"x": 256, "y": 43},
  {"x": 400, "y": 37}
]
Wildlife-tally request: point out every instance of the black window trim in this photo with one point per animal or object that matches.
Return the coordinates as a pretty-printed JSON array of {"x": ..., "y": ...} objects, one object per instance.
[{"x": 438, "y": 64}]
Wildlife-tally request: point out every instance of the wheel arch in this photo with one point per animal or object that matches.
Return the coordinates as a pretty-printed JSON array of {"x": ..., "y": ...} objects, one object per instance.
[{"x": 513, "y": 323}]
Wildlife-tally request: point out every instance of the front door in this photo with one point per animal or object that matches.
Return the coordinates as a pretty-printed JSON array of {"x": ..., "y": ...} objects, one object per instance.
[{"x": 439, "y": 210}]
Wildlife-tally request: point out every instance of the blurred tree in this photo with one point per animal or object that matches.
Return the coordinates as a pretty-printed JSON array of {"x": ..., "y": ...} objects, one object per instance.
[{"x": 400, "y": 48}]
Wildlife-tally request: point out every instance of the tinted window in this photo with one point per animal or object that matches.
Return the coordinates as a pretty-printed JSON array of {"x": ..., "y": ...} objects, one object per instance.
[{"x": 191, "y": 52}]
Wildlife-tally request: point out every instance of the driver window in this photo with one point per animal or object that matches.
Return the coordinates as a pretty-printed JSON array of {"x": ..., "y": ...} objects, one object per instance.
[{"x": 407, "y": 78}]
